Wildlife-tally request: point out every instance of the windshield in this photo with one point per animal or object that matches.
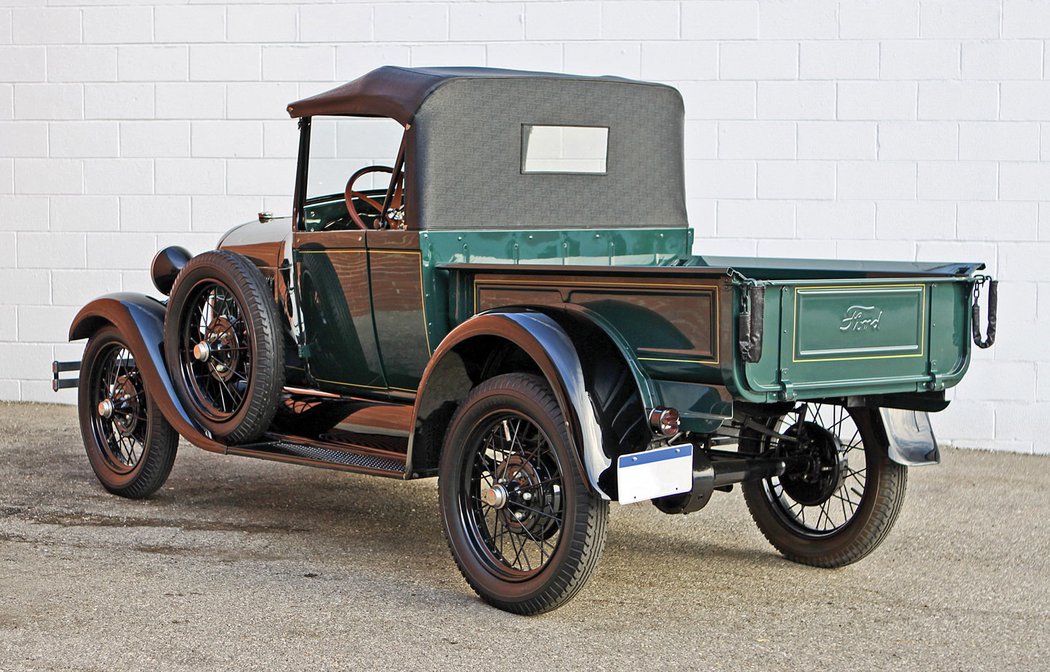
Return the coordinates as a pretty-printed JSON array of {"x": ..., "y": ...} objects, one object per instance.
[{"x": 340, "y": 146}]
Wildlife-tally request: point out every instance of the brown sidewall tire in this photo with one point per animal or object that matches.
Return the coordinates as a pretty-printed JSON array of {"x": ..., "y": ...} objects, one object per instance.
[
  {"x": 161, "y": 442},
  {"x": 880, "y": 505},
  {"x": 585, "y": 513},
  {"x": 255, "y": 298}
]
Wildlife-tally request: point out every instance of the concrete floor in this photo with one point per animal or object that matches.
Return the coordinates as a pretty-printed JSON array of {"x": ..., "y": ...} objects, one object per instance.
[{"x": 242, "y": 564}]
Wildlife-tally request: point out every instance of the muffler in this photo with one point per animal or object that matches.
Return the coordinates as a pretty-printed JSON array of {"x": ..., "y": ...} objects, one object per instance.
[{"x": 718, "y": 469}]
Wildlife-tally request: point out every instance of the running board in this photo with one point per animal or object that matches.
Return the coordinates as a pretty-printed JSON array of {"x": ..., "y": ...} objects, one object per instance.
[{"x": 358, "y": 459}]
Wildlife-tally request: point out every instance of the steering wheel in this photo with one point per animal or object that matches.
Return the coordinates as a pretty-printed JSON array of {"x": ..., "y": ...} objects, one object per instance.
[{"x": 361, "y": 197}]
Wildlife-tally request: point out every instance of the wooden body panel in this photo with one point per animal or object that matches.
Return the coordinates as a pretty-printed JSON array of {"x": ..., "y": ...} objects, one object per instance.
[{"x": 664, "y": 320}]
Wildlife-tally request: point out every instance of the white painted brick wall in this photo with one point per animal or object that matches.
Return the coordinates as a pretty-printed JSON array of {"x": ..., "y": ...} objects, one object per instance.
[{"x": 900, "y": 129}]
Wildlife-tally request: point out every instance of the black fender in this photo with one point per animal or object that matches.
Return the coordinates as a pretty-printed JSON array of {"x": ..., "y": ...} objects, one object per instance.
[
  {"x": 448, "y": 379},
  {"x": 702, "y": 408},
  {"x": 140, "y": 320},
  {"x": 909, "y": 436}
]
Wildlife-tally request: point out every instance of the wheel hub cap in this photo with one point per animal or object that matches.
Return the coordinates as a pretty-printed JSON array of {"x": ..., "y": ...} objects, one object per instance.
[
  {"x": 202, "y": 351},
  {"x": 105, "y": 408},
  {"x": 496, "y": 496}
]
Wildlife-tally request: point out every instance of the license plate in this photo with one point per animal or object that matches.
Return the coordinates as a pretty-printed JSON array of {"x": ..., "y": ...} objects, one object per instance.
[{"x": 655, "y": 473}]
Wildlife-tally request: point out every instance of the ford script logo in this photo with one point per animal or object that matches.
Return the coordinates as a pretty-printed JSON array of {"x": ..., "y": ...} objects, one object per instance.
[{"x": 861, "y": 318}]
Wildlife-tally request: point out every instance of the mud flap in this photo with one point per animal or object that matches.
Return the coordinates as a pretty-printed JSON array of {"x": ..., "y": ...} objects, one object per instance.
[{"x": 909, "y": 437}]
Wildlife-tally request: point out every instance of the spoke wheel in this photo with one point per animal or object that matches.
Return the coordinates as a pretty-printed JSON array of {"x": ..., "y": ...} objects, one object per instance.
[
  {"x": 512, "y": 497},
  {"x": 216, "y": 350},
  {"x": 524, "y": 528},
  {"x": 223, "y": 341},
  {"x": 130, "y": 446},
  {"x": 840, "y": 494}
]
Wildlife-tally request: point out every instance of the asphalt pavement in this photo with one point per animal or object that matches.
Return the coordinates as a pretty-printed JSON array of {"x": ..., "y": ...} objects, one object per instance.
[{"x": 239, "y": 564}]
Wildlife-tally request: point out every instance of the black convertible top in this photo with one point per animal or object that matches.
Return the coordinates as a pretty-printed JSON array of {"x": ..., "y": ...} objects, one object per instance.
[{"x": 397, "y": 92}]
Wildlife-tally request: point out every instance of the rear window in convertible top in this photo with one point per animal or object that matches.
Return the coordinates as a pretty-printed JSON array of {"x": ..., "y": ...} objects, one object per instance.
[{"x": 564, "y": 149}]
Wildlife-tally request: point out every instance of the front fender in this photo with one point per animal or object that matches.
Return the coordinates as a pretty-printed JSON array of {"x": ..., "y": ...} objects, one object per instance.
[
  {"x": 553, "y": 352},
  {"x": 140, "y": 320}
]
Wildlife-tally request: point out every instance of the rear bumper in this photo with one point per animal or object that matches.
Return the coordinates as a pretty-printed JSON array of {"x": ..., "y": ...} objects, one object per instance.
[{"x": 58, "y": 368}]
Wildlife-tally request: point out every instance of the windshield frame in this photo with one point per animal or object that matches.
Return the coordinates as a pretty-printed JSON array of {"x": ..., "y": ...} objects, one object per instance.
[{"x": 302, "y": 174}]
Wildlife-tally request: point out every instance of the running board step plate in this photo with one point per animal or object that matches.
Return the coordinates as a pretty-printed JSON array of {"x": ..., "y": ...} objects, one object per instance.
[{"x": 325, "y": 457}]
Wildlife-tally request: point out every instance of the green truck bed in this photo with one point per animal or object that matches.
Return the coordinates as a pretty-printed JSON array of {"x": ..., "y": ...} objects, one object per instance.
[{"x": 819, "y": 328}]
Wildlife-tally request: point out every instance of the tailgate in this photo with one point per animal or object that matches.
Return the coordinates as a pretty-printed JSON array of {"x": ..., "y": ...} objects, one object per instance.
[{"x": 859, "y": 336}]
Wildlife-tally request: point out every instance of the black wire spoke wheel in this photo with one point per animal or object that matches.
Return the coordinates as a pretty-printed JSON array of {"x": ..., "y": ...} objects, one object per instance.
[
  {"x": 224, "y": 345},
  {"x": 216, "y": 351},
  {"x": 524, "y": 528},
  {"x": 824, "y": 488},
  {"x": 120, "y": 419},
  {"x": 130, "y": 445},
  {"x": 839, "y": 494},
  {"x": 513, "y": 497}
]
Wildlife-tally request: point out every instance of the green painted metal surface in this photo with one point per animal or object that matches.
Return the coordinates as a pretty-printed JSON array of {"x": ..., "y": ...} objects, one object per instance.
[
  {"x": 700, "y": 407},
  {"x": 835, "y": 331},
  {"x": 569, "y": 247},
  {"x": 859, "y": 337},
  {"x": 341, "y": 344},
  {"x": 448, "y": 305},
  {"x": 821, "y": 337},
  {"x": 846, "y": 322}
]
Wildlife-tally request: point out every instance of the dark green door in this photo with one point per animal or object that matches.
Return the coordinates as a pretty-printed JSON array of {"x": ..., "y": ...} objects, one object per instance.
[
  {"x": 398, "y": 304},
  {"x": 333, "y": 284}
]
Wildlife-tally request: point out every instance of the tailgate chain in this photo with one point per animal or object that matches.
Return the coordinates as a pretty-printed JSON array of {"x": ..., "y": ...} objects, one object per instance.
[
  {"x": 752, "y": 315},
  {"x": 975, "y": 314}
]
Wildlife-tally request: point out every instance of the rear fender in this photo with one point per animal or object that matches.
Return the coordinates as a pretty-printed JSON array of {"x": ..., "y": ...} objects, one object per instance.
[
  {"x": 702, "y": 408},
  {"x": 449, "y": 378},
  {"x": 140, "y": 320},
  {"x": 909, "y": 436}
]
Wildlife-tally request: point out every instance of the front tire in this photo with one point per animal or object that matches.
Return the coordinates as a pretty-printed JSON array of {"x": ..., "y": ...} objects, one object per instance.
[
  {"x": 224, "y": 345},
  {"x": 841, "y": 493},
  {"x": 524, "y": 528},
  {"x": 129, "y": 444}
]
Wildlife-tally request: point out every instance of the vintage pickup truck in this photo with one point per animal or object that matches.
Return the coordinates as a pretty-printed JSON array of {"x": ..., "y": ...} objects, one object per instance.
[{"x": 516, "y": 309}]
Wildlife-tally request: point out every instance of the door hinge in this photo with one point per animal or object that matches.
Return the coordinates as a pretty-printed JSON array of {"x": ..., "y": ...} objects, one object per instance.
[
  {"x": 788, "y": 393},
  {"x": 936, "y": 377}
]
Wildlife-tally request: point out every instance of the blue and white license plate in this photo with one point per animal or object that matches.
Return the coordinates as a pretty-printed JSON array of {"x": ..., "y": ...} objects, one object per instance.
[{"x": 655, "y": 473}]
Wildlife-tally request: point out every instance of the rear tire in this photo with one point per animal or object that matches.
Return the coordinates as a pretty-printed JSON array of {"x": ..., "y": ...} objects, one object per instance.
[
  {"x": 840, "y": 510},
  {"x": 535, "y": 546},
  {"x": 224, "y": 345},
  {"x": 129, "y": 444}
]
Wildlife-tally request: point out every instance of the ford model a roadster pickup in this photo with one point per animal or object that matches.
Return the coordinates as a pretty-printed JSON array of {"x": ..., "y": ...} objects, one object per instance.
[{"x": 513, "y": 306}]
